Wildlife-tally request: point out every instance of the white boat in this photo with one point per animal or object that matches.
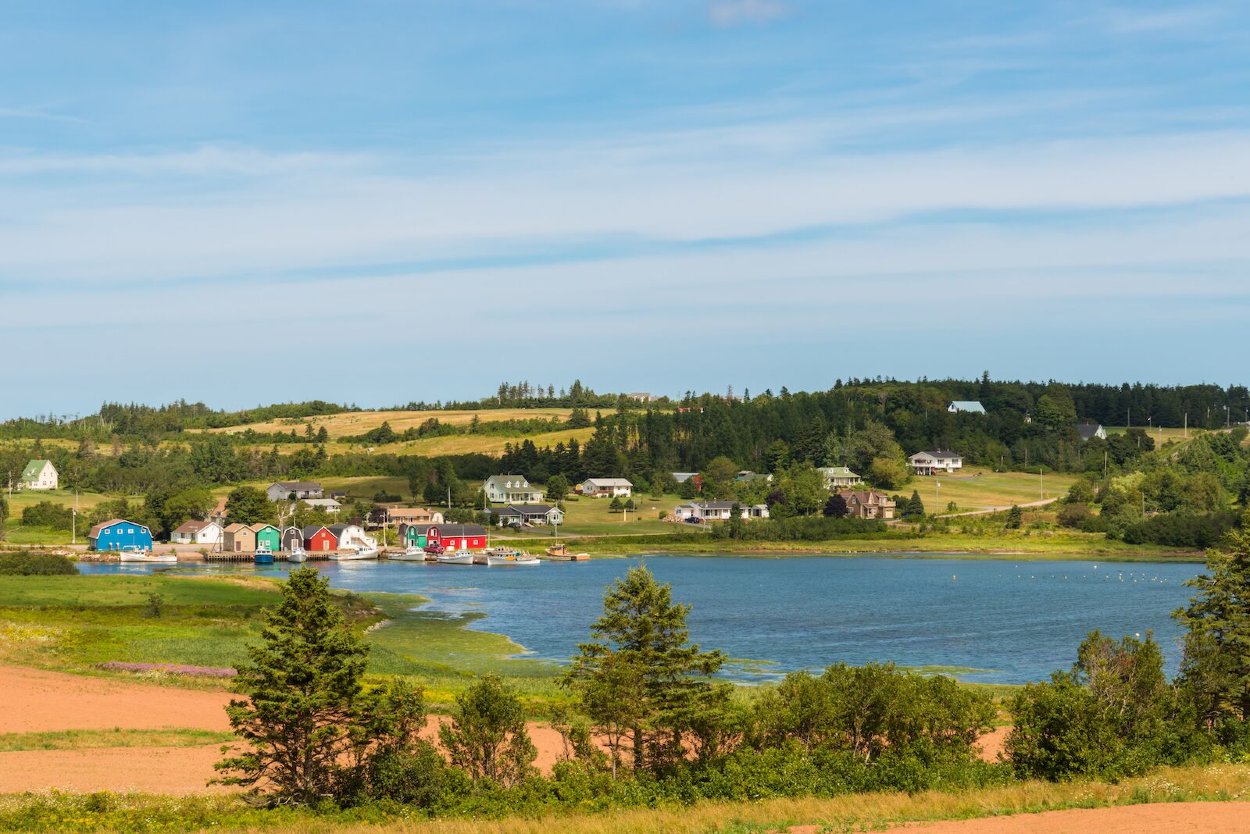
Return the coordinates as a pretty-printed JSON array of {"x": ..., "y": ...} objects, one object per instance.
[
  {"x": 144, "y": 557},
  {"x": 506, "y": 559},
  {"x": 357, "y": 555},
  {"x": 297, "y": 555},
  {"x": 455, "y": 557},
  {"x": 409, "y": 554}
]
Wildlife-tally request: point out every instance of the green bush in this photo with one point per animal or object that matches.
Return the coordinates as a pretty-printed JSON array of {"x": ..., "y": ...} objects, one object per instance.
[
  {"x": 48, "y": 514},
  {"x": 36, "y": 564}
]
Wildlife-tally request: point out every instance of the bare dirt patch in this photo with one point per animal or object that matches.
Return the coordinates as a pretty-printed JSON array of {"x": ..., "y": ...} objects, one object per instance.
[{"x": 1172, "y": 817}]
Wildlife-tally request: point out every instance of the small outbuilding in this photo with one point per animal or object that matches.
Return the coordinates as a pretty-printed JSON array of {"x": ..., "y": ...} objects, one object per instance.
[{"x": 207, "y": 533}]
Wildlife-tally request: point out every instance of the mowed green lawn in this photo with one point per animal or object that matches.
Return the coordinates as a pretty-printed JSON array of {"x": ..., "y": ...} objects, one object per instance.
[
  {"x": 976, "y": 488},
  {"x": 17, "y": 533}
]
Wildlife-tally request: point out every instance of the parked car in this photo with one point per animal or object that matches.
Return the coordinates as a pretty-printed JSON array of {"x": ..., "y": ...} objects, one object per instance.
[{"x": 694, "y": 519}]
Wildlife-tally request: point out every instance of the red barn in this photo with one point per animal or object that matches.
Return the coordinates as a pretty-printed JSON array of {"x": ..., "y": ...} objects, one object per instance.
[
  {"x": 457, "y": 536},
  {"x": 318, "y": 539}
]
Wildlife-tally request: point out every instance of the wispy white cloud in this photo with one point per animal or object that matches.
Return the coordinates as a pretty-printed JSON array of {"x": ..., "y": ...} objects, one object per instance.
[
  {"x": 1132, "y": 21},
  {"x": 738, "y": 12},
  {"x": 37, "y": 114}
]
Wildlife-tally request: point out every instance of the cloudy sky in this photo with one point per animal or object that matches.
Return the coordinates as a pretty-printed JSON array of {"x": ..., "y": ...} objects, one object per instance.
[{"x": 377, "y": 202}]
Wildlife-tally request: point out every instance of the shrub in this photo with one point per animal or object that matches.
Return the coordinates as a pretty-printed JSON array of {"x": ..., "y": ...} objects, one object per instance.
[
  {"x": 36, "y": 564},
  {"x": 48, "y": 514}
]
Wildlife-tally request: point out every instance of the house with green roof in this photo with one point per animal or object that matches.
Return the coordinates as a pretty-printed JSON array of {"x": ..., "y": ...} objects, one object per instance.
[
  {"x": 839, "y": 477},
  {"x": 39, "y": 474}
]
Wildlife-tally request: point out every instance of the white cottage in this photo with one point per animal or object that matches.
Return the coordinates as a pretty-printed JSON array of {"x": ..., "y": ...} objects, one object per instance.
[
  {"x": 39, "y": 474},
  {"x": 511, "y": 489},
  {"x": 207, "y": 533},
  {"x": 607, "y": 487}
]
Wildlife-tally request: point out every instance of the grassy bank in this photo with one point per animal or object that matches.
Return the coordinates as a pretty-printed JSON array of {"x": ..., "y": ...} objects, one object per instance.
[{"x": 858, "y": 812}]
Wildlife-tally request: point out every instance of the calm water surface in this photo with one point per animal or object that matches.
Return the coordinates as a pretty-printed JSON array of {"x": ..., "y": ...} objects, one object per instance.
[{"x": 995, "y": 621}]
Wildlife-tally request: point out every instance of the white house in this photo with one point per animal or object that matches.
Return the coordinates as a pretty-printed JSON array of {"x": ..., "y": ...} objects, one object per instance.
[
  {"x": 352, "y": 535},
  {"x": 1089, "y": 431},
  {"x": 719, "y": 511},
  {"x": 931, "y": 463},
  {"x": 511, "y": 489},
  {"x": 839, "y": 477},
  {"x": 607, "y": 487},
  {"x": 197, "y": 532},
  {"x": 39, "y": 474},
  {"x": 328, "y": 504},
  {"x": 529, "y": 514},
  {"x": 965, "y": 407},
  {"x": 302, "y": 490}
]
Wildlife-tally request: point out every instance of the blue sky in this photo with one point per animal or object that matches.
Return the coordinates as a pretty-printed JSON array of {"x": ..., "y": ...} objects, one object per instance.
[{"x": 379, "y": 202}]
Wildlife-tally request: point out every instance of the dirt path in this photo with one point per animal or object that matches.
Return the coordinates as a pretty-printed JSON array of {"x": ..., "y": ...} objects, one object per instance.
[{"x": 1171, "y": 817}]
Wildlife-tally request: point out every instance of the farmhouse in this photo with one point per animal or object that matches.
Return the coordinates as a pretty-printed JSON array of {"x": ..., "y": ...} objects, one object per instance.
[
  {"x": 606, "y": 487},
  {"x": 238, "y": 538},
  {"x": 1089, "y": 430},
  {"x": 302, "y": 490},
  {"x": 197, "y": 532},
  {"x": 746, "y": 476},
  {"x": 319, "y": 539},
  {"x": 529, "y": 514},
  {"x": 682, "y": 477},
  {"x": 39, "y": 474},
  {"x": 931, "y": 463},
  {"x": 413, "y": 515},
  {"x": 868, "y": 504},
  {"x": 965, "y": 407},
  {"x": 119, "y": 534},
  {"x": 719, "y": 511},
  {"x": 511, "y": 489},
  {"x": 839, "y": 477},
  {"x": 456, "y": 536},
  {"x": 328, "y": 504}
]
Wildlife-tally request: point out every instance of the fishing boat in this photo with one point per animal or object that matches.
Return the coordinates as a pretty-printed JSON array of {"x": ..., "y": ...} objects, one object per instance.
[
  {"x": 515, "y": 557},
  {"x": 357, "y": 555},
  {"x": 412, "y": 553},
  {"x": 560, "y": 553},
  {"x": 263, "y": 555},
  {"x": 455, "y": 557},
  {"x": 297, "y": 554},
  {"x": 136, "y": 556}
]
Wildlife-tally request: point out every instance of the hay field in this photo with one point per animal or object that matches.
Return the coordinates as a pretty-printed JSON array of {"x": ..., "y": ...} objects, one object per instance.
[{"x": 359, "y": 422}]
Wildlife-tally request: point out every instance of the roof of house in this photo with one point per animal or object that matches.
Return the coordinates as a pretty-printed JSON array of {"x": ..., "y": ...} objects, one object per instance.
[
  {"x": 682, "y": 477},
  {"x": 837, "y": 471},
  {"x": 296, "y": 486},
  {"x": 238, "y": 527},
  {"x": 937, "y": 455},
  {"x": 256, "y": 528},
  {"x": 503, "y": 478},
  {"x": 459, "y": 529},
  {"x": 321, "y": 502},
  {"x": 193, "y": 526},
  {"x": 410, "y": 512},
  {"x": 967, "y": 405},
  {"x": 605, "y": 482},
  {"x": 311, "y": 530},
  {"x": 1088, "y": 430},
  {"x": 95, "y": 529},
  {"x": 715, "y": 505},
  {"x": 866, "y": 496},
  {"x": 33, "y": 469},
  {"x": 524, "y": 509}
]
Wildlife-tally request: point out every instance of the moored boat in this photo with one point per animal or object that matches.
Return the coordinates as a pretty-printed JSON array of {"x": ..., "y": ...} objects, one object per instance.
[
  {"x": 136, "y": 556},
  {"x": 297, "y": 555},
  {"x": 412, "y": 553},
  {"x": 560, "y": 553},
  {"x": 263, "y": 555},
  {"x": 357, "y": 555},
  {"x": 455, "y": 557},
  {"x": 516, "y": 557}
]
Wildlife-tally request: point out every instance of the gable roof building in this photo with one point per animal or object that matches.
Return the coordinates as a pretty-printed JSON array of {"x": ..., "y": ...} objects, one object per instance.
[
  {"x": 931, "y": 463},
  {"x": 868, "y": 504},
  {"x": 511, "y": 489},
  {"x": 719, "y": 510},
  {"x": 607, "y": 487},
  {"x": 197, "y": 532},
  {"x": 965, "y": 407},
  {"x": 1089, "y": 430},
  {"x": 119, "y": 534},
  {"x": 283, "y": 490},
  {"x": 529, "y": 514},
  {"x": 837, "y": 477},
  {"x": 39, "y": 474}
]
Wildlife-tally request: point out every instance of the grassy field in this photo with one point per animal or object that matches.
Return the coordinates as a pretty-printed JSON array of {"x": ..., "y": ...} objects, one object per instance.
[
  {"x": 978, "y": 488},
  {"x": 854, "y": 812},
  {"x": 359, "y": 422},
  {"x": 94, "y": 739}
]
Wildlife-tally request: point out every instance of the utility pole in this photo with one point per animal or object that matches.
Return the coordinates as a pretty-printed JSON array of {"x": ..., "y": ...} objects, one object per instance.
[
  {"x": 1041, "y": 485},
  {"x": 73, "y": 536}
]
